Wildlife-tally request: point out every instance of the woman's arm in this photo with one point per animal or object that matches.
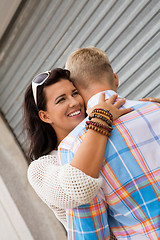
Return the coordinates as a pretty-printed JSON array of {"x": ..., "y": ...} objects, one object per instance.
[
  {"x": 151, "y": 99},
  {"x": 90, "y": 155},
  {"x": 61, "y": 187}
]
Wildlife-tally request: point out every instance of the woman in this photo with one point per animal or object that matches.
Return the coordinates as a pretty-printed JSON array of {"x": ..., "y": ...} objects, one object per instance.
[{"x": 53, "y": 108}]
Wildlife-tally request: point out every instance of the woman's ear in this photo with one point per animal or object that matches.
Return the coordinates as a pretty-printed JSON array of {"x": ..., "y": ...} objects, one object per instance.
[
  {"x": 44, "y": 116},
  {"x": 116, "y": 80}
]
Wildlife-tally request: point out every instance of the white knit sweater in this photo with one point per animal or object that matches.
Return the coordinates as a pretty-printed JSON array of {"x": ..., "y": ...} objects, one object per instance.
[{"x": 61, "y": 187}]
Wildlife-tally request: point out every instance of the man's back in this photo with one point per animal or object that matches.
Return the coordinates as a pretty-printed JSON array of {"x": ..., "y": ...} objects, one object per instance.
[
  {"x": 131, "y": 172},
  {"x": 130, "y": 196}
]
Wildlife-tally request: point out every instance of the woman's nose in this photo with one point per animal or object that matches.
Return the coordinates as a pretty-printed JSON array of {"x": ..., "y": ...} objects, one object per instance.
[{"x": 73, "y": 102}]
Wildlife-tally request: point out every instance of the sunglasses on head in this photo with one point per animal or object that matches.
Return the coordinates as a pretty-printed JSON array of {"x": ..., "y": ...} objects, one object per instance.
[{"x": 37, "y": 81}]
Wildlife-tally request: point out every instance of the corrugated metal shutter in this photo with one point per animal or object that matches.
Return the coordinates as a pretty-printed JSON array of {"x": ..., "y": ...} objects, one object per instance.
[{"x": 46, "y": 32}]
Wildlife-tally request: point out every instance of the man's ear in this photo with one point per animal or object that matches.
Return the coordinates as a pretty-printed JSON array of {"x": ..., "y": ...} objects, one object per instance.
[
  {"x": 44, "y": 116},
  {"x": 116, "y": 80}
]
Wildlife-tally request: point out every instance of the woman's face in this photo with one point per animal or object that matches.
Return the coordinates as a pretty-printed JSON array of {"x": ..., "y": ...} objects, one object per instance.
[{"x": 65, "y": 107}]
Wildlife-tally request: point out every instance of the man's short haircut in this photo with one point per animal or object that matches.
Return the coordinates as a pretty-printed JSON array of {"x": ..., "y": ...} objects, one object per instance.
[{"x": 88, "y": 65}]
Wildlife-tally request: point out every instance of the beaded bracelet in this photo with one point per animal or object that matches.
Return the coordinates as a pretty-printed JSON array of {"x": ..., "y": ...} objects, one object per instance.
[
  {"x": 103, "y": 111},
  {"x": 107, "y": 117},
  {"x": 99, "y": 125},
  {"x": 100, "y": 116},
  {"x": 106, "y": 133}
]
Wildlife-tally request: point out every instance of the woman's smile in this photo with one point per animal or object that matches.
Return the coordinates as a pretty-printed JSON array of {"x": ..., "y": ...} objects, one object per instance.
[{"x": 75, "y": 113}]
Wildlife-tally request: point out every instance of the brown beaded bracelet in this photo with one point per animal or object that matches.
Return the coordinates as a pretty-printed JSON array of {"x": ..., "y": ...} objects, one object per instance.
[
  {"x": 104, "y": 112},
  {"x": 99, "y": 125},
  {"x": 106, "y": 133},
  {"x": 102, "y": 117},
  {"x": 106, "y": 117}
]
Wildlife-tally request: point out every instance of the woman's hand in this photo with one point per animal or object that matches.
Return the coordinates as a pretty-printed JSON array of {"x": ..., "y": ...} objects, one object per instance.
[
  {"x": 111, "y": 106},
  {"x": 151, "y": 99}
]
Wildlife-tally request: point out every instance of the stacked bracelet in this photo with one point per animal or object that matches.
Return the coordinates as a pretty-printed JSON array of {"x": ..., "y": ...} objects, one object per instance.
[{"x": 105, "y": 116}]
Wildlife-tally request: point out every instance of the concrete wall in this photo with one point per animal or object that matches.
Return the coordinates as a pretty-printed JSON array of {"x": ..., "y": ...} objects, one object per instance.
[{"x": 22, "y": 214}]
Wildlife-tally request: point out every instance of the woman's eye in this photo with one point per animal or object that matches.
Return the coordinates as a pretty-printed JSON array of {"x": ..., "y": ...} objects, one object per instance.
[
  {"x": 60, "y": 100},
  {"x": 75, "y": 93}
]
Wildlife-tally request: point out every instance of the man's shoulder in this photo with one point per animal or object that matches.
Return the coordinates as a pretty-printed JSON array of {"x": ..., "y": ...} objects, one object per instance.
[
  {"x": 71, "y": 143},
  {"x": 147, "y": 107},
  {"x": 75, "y": 135},
  {"x": 140, "y": 109},
  {"x": 141, "y": 105}
]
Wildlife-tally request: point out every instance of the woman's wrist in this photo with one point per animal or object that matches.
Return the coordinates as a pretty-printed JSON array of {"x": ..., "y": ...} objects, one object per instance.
[{"x": 100, "y": 120}]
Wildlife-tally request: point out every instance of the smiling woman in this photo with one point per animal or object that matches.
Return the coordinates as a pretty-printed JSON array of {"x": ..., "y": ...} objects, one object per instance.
[
  {"x": 53, "y": 108},
  {"x": 68, "y": 106}
]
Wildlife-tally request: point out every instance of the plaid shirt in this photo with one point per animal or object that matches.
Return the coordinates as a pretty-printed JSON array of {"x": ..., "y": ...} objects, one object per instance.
[{"x": 129, "y": 200}]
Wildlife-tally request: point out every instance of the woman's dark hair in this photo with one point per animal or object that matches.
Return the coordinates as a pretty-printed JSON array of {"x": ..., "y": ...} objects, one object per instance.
[{"x": 42, "y": 136}]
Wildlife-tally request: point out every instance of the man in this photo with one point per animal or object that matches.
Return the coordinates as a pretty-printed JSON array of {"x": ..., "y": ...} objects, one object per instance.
[{"x": 129, "y": 200}]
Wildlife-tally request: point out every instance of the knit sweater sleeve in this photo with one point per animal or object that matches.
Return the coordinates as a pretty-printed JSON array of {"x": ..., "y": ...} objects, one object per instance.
[{"x": 62, "y": 186}]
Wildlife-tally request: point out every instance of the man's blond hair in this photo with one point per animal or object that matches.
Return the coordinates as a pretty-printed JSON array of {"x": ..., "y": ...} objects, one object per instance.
[{"x": 88, "y": 65}]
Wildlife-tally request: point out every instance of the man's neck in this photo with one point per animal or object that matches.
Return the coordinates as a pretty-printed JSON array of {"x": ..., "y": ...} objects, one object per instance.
[{"x": 90, "y": 92}]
